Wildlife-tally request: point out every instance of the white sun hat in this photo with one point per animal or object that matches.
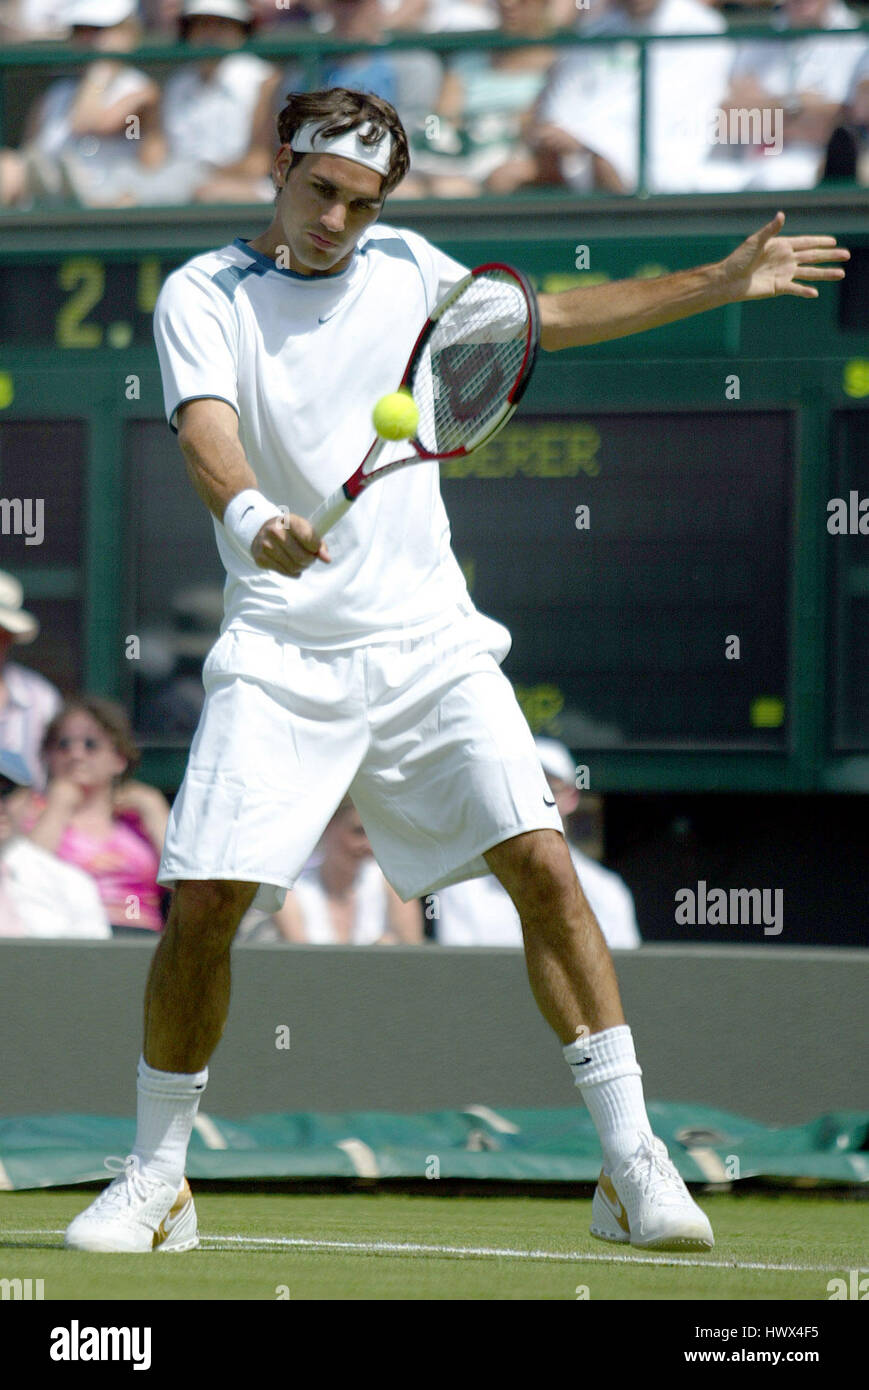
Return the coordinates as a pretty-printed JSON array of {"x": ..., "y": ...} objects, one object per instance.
[
  {"x": 99, "y": 14},
  {"x": 221, "y": 9}
]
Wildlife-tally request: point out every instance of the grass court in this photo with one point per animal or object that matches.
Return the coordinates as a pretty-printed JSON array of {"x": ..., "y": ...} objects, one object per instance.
[{"x": 268, "y": 1244}]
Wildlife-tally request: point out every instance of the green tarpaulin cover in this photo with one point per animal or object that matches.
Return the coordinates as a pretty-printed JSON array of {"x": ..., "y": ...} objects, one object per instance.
[{"x": 706, "y": 1145}]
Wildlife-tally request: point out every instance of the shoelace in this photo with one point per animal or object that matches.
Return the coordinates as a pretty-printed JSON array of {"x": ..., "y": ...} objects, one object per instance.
[
  {"x": 651, "y": 1166},
  {"x": 136, "y": 1184}
]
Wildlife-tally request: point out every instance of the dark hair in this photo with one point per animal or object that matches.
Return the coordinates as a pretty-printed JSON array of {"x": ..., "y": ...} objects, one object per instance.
[
  {"x": 111, "y": 718},
  {"x": 337, "y": 110}
]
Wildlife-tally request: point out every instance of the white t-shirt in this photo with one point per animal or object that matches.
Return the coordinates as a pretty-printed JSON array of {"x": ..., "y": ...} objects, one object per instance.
[
  {"x": 48, "y": 898},
  {"x": 594, "y": 95},
  {"x": 303, "y": 360},
  {"x": 371, "y": 918},
  {"x": 479, "y": 912},
  {"x": 211, "y": 121}
]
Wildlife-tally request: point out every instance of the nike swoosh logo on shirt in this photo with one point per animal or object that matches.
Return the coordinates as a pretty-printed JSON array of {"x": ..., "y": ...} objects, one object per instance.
[
  {"x": 245, "y": 512},
  {"x": 547, "y": 802}
]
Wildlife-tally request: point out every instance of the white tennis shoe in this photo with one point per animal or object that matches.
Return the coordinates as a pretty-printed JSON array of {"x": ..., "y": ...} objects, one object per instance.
[
  {"x": 645, "y": 1202},
  {"x": 137, "y": 1212}
]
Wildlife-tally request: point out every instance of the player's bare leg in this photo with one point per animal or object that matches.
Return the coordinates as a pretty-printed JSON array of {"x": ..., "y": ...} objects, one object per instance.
[
  {"x": 187, "y": 995},
  {"x": 640, "y": 1196},
  {"x": 569, "y": 965},
  {"x": 149, "y": 1206}
]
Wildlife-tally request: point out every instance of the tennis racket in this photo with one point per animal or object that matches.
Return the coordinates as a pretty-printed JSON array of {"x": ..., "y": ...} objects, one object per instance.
[{"x": 467, "y": 372}]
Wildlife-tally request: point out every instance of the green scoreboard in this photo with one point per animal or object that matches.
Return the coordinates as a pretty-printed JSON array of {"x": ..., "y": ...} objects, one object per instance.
[{"x": 660, "y": 527}]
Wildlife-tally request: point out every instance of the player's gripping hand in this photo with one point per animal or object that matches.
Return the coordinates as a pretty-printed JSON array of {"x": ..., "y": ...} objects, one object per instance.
[{"x": 288, "y": 544}]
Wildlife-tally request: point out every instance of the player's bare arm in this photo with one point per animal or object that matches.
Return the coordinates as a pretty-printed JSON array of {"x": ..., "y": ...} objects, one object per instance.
[
  {"x": 219, "y": 470},
  {"x": 764, "y": 265}
]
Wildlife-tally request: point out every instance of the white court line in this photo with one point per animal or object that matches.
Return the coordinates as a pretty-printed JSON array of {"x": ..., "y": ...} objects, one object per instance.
[{"x": 386, "y": 1247}]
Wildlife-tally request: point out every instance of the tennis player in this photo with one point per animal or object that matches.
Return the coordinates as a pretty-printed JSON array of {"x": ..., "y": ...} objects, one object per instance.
[{"x": 363, "y": 667}]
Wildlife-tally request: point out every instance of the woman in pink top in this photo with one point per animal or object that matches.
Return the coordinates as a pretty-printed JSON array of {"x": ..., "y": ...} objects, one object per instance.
[{"x": 93, "y": 816}]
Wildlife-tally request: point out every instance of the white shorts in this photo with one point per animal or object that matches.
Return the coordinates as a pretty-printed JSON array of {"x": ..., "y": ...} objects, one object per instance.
[{"x": 425, "y": 734}]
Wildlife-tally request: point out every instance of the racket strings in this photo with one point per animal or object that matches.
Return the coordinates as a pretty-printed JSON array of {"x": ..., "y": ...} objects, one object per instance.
[{"x": 470, "y": 364}]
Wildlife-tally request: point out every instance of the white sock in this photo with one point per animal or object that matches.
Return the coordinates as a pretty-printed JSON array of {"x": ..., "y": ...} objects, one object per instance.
[
  {"x": 612, "y": 1090},
  {"x": 168, "y": 1102}
]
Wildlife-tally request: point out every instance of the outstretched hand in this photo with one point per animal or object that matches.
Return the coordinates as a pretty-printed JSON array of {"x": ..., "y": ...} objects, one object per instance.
[{"x": 767, "y": 264}]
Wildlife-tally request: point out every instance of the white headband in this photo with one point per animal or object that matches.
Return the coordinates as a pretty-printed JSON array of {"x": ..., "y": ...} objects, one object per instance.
[{"x": 308, "y": 140}]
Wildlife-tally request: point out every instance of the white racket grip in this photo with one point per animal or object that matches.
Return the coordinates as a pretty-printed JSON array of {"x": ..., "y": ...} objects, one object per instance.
[{"x": 330, "y": 511}]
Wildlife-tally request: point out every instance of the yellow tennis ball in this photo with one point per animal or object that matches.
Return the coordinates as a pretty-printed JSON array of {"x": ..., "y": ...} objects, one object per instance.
[{"x": 396, "y": 416}]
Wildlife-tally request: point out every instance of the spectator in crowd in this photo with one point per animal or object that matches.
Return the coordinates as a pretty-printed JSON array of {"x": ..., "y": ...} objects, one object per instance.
[
  {"x": 342, "y": 897},
  {"x": 28, "y": 702},
  {"x": 486, "y": 101},
  {"x": 86, "y": 134},
  {"x": 361, "y": 20},
  {"x": 218, "y": 114},
  {"x": 847, "y": 153},
  {"x": 478, "y": 912},
  {"x": 586, "y": 132},
  {"x": 798, "y": 86},
  {"x": 94, "y": 816},
  {"x": 216, "y": 118},
  {"x": 39, "y": 894},
  {"x": 410, "y": 79}
]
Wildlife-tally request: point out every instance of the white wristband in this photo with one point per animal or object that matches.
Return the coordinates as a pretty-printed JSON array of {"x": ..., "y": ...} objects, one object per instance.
[{"x": 246, "y": 514}]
